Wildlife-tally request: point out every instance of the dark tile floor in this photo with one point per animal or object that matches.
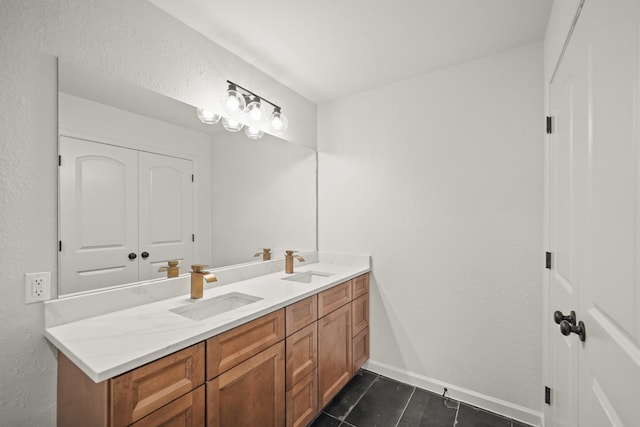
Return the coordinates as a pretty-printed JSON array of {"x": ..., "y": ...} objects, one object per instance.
[{"x": 371, "y": 400}]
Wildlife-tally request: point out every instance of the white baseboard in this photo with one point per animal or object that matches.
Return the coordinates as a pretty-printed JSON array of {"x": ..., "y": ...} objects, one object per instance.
[{"x": 502, "y": 407}]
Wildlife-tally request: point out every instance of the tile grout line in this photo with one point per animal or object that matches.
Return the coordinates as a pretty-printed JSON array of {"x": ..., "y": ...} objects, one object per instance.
[
  {"x": 359, "y": 399},
  {"x": 405, "y": 406},
  {"x": 455, "y": 420}
]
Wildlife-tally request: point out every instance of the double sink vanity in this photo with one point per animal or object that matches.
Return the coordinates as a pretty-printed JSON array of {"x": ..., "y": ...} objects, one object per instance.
[{"x": 261, "y": 348}]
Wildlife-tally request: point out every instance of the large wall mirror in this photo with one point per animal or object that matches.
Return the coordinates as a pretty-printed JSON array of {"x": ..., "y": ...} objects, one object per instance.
[{"x": 142, "y": 181}]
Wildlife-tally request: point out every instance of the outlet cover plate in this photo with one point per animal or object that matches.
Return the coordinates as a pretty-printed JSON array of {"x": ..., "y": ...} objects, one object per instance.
[{"x": 37, "y": 287}]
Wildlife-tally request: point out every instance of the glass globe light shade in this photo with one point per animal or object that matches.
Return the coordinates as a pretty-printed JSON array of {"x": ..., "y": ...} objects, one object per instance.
[
  {"x": 253, "y": 132},
  {"x": 207, "y": 116},
  {"x": 255, "y": 111},
  {"x": 233, "y": 101},
  {"x": 232, "y": 125},
  {"x": 278, "y": 122}
]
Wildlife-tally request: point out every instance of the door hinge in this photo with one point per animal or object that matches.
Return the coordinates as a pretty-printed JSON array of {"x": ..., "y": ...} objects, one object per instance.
[
  {"x": 193, "y": 178},
  {"x": 547, "y": 260},
  {"x": 547, "y": 395},
  {"x": 549, "y": 125},
  {"x": 59, "y": 245},
  {"x": 193, "y": 237},
  {"x": 59, "y": 160}
]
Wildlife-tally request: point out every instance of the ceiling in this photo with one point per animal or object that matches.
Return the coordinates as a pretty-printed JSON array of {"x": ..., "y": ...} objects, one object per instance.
[{"x": 328, "y": 49}]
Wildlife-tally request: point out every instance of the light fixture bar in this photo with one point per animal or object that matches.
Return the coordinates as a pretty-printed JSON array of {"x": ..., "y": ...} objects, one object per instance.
[{"x": 252, "y": 93}]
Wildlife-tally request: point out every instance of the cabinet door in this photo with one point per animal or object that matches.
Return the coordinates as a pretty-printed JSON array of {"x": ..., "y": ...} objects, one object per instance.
[
  {"x": 186, "y": 411},
  {"x": 251, "y": 394},
  {"x": 138, "y": 393},
  {"x": 360, "y": 350},
  {"x": 360, "y": 314},
  {"x": 301, "y": 314},
  {"x": 302, "y": 401},
  {"x": 333, "y": 298},
  {"x": 301, "y": 354},
  {"x": 334, "y": 353}
]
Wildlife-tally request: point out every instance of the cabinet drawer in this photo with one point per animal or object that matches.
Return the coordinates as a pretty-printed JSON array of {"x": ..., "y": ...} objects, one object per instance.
[
  {"x": 141, "y": 391},
  {"x": 301, "y": 314},
  {"x": 230, "y": 348},
  {"x": 360, "y": 350},
  {"x": 302, "y": 401},
  {"x": 333, "y": 298},
  {"x": 250, "y": 394},
  {"x": 301, "y": 354},
  {"x": 360, "y": 314},
  {"x": 186, "y": 411},
  {"x": 360, "y": 285}
]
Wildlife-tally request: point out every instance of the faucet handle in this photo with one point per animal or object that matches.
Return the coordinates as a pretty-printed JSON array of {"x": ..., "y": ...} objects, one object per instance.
[
  {"x": 264, "y": 251},
  {"x": 197, "y": 268}
]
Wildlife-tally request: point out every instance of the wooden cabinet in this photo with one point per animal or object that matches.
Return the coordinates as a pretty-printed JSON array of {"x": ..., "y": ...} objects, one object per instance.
[
  {"x": 302, "y": 401},
  {"x": 333, "y": 298},
  {"x": 300, "y": 314},
  {"x": 360, "y": 350},
  {"x": 250, "y": 394},
  {"x": 360, "y": 314},
  {"x": 281, "y": 368},
  {"x": 134, "y": 395},
  {"x": 334, "y": 353},
  {"x": 226, "y": 350},
  {"x": 186, "y": 411},
  {"x": 301, "y": 373}
]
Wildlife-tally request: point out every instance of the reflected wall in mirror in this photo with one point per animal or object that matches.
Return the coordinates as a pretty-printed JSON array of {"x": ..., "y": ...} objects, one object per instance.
[{"x": 143, "y": 181}]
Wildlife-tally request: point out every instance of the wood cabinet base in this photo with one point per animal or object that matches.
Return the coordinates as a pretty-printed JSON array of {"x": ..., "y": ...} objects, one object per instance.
[
  {"x": 251, "y": 394},
  {"x": 302, "y": 401}
]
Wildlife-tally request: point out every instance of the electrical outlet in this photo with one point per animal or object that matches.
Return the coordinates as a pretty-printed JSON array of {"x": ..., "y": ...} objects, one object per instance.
[{"x": 37, "y": 287}]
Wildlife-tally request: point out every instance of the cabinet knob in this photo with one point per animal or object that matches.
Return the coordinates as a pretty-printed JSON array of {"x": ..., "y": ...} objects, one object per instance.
[
  {"x": 132, "y": 256},
  {"x": 144, "y": 255}
]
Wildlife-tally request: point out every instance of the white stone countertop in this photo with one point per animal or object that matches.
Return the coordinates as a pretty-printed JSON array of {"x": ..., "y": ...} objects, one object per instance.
[{"x": 110, "y": 344}]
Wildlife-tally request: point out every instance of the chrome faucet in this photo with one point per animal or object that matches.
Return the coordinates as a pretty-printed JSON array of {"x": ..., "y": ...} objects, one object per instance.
[
  {"x": 197, "y": 277},
  {"x": 171, "y": 268},
  {"x": 266, "y": 254},
  {"x": 288, "y": 261}
]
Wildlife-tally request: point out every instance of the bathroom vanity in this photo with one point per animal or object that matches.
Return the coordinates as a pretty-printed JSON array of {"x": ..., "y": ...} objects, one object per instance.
[{"x": 275, "y": 360}]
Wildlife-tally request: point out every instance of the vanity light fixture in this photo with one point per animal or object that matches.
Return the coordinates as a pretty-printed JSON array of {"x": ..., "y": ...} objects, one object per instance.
[
  {"x": 233, "y": 101},
  {"x": 232, "y": 125},
  {"x": 207, "y": 116},
  {"x": 243, "y": 106},
  {"x": 278, "y": 122},
  {"x": 255, "y": 111},
  {"x": 253, "y": 132}
]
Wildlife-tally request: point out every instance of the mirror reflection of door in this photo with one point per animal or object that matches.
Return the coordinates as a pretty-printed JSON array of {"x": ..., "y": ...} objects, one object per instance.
[{"x": 123, "y": 214}]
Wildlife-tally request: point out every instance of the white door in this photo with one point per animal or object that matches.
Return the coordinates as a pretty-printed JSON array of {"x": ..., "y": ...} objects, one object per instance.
[
  {"x": 166, "y": 213},
  {"x": 123, "y": 214},
  {"x": 98, "y": 215},
  {"x": 602, "y": 233},
  {"x": 566, "y": 146},
  {"x": 609, "y": 386}
]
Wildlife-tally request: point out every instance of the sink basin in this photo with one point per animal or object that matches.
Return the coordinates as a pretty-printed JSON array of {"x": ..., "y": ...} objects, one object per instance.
[
  {"x": 307, "y": 276},
  {"x": 215, "y": 306}
]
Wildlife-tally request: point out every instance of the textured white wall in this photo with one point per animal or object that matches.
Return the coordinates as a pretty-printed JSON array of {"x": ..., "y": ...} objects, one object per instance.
[
  {"x": 439, "y": 178},
  {"x": 130, "y": 39}
]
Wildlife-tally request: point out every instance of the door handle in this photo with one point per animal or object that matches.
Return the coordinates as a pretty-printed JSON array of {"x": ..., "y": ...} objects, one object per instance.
[
  {"x": 558, "y": 317},
  {"x": 144, "y": 255},
  {"x": 567, "y": 328}
]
